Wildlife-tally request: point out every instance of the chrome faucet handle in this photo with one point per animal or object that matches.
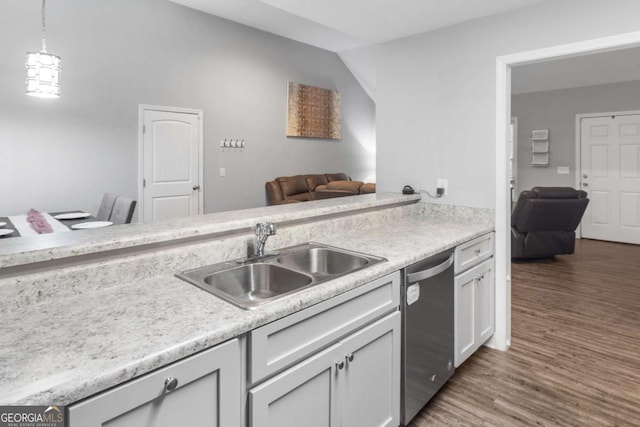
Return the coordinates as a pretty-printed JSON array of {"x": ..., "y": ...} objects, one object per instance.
[
  {"x": 263, "y": 231},
  {"x": 265, "y": 228}
]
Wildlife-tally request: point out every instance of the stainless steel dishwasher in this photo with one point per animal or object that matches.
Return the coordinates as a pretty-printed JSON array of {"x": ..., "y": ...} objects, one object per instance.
[{"x": 427, "y": 331}]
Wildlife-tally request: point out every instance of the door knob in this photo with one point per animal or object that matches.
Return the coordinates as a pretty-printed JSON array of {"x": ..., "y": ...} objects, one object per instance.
[
  {"x": 196, "y": 187},
  {"x": 170, "y": 384},
  {"x": 340, "y": 364},
  {"x": 349, "y": 357}
]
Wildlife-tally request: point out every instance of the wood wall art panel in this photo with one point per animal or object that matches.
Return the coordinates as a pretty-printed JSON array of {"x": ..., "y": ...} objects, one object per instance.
[{"x": 313, "y": 112}]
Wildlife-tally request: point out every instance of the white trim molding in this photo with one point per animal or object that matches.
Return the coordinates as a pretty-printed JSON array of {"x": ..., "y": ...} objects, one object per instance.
[{"x": 502, "y": 337}]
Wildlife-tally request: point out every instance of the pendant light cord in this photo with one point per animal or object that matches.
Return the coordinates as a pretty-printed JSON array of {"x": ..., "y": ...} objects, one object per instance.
[{"x": 44, "y": 28}]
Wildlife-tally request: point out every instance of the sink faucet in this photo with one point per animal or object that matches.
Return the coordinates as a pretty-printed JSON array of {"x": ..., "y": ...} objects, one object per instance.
[{"x": 263, "y": 231}]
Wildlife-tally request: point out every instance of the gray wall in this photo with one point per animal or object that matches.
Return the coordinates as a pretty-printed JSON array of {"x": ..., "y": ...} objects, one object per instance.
[
  {"x": 556, "y": 110},
  {"x": 435, "y": 94},
  {"x": 117, "y": 54}
]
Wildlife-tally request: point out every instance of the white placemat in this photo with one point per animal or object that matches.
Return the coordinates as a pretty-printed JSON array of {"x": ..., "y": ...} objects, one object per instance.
[{"x": 24, "y": 228}]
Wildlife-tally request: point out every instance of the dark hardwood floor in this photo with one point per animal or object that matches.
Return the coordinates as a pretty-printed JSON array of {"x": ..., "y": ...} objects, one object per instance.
[{"x": 575, "y": 355}]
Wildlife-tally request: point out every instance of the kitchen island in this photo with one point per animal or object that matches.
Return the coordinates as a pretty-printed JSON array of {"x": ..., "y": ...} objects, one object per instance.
[{"x": 87, "y": 317}]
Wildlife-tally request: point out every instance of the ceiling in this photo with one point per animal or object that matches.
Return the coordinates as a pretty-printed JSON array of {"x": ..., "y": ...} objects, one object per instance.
[
  {"x": 340, "y": 25},
  {"x": 343, "y": 25}
]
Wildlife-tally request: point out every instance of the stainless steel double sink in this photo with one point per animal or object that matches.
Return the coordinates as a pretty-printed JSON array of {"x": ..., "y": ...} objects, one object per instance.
[{"x": 249, "y": 283}]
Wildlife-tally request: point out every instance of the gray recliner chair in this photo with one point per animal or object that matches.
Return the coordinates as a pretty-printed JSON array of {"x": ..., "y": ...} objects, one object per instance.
[{"x": 544, "y": 221}]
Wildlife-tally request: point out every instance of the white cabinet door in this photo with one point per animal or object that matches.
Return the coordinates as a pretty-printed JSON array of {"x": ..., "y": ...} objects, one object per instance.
[
  {"x": 474, "y": 309},
  {"x": 485, "y": 289},
  {"x": 354, "y": 383},
  {"x": 465, "y": 314},
  {"x": 371, "y": 377},
  {"x": 305, "y": 395},
  {"x": 208, "y": 393}
]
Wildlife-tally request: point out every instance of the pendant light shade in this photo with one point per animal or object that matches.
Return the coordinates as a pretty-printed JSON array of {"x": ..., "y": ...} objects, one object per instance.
[
  {"x": 43, "y": 73},
  {"x": 43, "y": 69}
]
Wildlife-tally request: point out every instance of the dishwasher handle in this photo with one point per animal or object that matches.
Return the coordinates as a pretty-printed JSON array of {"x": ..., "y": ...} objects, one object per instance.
[{"x": 430, "y": 272}]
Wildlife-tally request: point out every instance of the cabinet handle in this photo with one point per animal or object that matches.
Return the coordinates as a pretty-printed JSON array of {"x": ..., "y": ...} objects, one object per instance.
[
  {"x": 170, "y": 384},
  {"x": 340, "y": 364},
  {"x": 349, "y": 357},
  {"x": 477, "y": 251}
]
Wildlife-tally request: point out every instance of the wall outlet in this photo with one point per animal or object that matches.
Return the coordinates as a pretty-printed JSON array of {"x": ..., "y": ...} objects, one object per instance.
[
  {"x": 223, "y": 172},
  {"x": 444, "y": 184}
]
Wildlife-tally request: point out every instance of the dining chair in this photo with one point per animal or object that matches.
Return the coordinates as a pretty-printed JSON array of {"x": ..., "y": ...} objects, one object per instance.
[
  {"x": 106, "y": 206},
  {"x": 123, "y": 210}
]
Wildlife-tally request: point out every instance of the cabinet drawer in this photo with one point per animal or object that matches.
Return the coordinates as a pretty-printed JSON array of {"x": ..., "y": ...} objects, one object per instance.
[
  {"x": 473, "y": 252},
  {"x": 208, "y": 392},
  {"x": 282, "y": 343}
]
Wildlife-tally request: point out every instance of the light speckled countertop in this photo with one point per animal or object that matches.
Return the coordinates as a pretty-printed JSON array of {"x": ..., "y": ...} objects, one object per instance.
[
  {"x": 25, "y": 250},
  {"x": 83, "y": 344}
]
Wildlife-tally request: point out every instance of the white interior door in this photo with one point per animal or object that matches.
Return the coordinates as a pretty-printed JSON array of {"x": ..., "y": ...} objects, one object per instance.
[
  {"x": 171, "y": 164},
  {"x": 610, "y": 174}
]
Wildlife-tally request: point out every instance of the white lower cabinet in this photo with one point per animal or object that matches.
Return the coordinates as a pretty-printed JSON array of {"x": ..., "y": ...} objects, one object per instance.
[
  {"x": 353, "y": 383},
  {"x": 201, "y": 390},
  {"x": 474, "y": 309},
  {"x": 336, "y": 363}
]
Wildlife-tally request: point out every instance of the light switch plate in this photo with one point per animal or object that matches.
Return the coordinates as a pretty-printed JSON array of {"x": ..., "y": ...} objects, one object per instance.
[{"x": 223, "y": 172}]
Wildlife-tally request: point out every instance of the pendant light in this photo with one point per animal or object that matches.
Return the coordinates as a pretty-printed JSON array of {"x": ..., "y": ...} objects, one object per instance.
[{"x": 43, "y": 69}]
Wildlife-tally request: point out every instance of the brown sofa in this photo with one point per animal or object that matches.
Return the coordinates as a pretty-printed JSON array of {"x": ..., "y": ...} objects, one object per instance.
[{"x": 303, "y": 188}]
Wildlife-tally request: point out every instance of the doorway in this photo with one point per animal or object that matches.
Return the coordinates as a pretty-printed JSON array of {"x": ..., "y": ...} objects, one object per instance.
[
  {"x": 502, "y": 338},
  {"x": 609, "y": 171},
  {"x": 170, "y": 146}
]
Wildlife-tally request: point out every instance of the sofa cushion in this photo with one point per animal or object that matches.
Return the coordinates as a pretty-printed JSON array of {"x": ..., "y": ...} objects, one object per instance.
[
  {"x": 292, "y": 185},
  {"x": 368, "y": 188},
  {"x": 314, "y": 180},
  {"x": 351, "y": 186},
  {"x": 300, "y": 197},
  {"x": 337, "y": 177}
]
